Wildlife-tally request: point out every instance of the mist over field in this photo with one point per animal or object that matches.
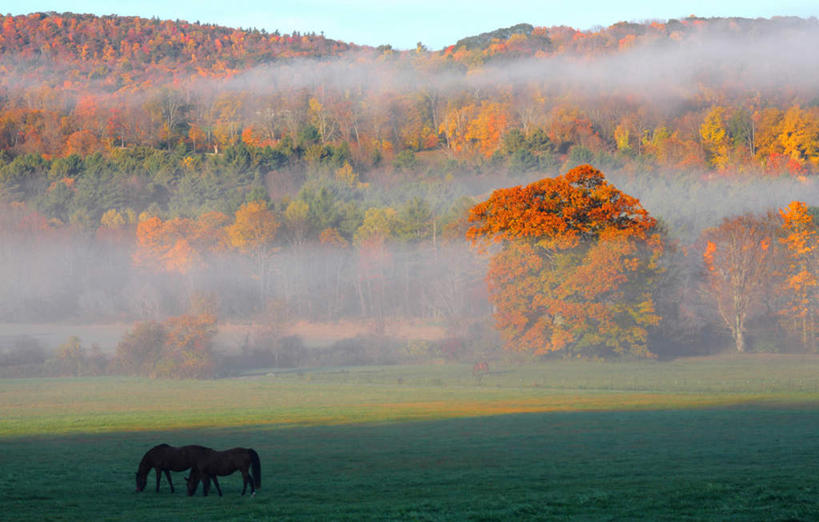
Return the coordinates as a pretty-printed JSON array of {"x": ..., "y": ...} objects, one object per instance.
[
  {"x": 95, "y": 282},
  {"x": 367, "y": 162}
]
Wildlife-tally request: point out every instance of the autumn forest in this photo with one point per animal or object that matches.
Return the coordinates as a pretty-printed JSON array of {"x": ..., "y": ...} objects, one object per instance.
[{"x": 643, "y": 190}]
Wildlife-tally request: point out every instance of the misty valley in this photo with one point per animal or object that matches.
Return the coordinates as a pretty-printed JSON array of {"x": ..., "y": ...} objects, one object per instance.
[
  {"x": 539, "y": 273},
  {"x": 260, "y": 290}
]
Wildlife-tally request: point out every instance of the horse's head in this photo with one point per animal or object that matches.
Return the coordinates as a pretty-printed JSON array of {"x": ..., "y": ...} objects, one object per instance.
[
  {"x": 192, "y": 482},
  {"x": 141, "y": 481}
]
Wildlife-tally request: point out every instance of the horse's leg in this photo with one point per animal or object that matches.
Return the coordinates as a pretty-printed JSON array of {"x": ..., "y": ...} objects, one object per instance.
[
  {"x": 245, "y": 480},
  {"x": 252, "y": 487},
  {"x": 193, "y": 482},
  {"x": 158, "y": 477},
  {"x": 216, "y": 483},
  {"x": 170, "y": 482},
  {"x": 205, "y": 485}
]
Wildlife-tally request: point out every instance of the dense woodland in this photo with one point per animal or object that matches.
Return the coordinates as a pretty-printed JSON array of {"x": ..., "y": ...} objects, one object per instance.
[{"x": 175, "y": 173}]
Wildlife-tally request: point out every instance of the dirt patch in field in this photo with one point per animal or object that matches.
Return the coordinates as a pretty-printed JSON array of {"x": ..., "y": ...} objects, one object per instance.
[
  {"x": 318, "y": 334},
  {"x": 327, "y": 333}
]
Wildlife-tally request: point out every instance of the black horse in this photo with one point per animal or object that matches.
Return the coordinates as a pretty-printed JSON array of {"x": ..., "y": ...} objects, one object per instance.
[
  {"x": 211, "y": 464},
  {"x": 166, "y": 458}
]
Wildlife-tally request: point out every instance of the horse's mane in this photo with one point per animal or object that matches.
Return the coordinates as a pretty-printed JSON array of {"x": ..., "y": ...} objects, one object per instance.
[{"x": 144, "y": 464}]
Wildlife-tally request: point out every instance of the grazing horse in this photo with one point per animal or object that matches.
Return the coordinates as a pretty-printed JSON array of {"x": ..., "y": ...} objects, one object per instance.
[
  {"x": 211, "y": 464},
  {"x": 166, "y": 458}
]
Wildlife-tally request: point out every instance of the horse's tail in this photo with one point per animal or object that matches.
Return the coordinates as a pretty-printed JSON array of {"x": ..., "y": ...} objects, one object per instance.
[{"x": 257, "y": 468}]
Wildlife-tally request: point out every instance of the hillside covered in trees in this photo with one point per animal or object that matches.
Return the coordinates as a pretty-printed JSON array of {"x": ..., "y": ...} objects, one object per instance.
[
  {"x": 148, "y": 164},
  {"x": 717, "y": 94}
]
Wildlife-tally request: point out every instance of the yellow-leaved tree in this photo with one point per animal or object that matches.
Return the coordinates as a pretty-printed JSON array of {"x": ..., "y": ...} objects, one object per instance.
[
  {"x": 253, "y": 233},
  {"x": 801, "y": 284},
  {"x": 715, "y": 137}
]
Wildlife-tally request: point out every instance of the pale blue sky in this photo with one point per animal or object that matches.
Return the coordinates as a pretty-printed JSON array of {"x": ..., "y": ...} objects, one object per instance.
[{"x": 401, "y": 23}]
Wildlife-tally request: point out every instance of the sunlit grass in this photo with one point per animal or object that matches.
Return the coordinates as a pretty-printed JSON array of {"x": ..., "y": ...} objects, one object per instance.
[
  {"x": 397, "y": 393},
  {"x": 726, "y": 439}
]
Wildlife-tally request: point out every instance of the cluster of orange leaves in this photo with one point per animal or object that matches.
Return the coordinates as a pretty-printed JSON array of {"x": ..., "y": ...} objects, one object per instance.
[
  {"x": 560, "y": 212},
  {"x": 179, "y": 244}
]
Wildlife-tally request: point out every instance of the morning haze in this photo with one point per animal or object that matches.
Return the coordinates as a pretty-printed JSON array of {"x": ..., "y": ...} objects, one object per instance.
[{"x": 402, "y": 278}]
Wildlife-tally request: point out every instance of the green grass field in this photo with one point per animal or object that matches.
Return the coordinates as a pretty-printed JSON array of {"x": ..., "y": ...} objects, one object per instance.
[{"x": 709, "y": 439}]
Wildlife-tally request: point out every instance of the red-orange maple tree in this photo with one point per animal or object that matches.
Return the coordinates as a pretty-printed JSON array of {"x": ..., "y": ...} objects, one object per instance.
[{"x": 576, "y": 266}]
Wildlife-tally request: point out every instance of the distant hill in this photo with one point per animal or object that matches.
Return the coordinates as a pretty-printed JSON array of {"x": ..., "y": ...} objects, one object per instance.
[
  {"x": 721, "y": 94},
  {"x": 527, "y": 40},
  {"x": 122, "y": 50},
  {"x": 483, "y": 39}
]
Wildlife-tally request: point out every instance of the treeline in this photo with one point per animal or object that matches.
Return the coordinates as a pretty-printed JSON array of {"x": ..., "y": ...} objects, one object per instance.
[
  {"x": 392, "y": 133},
  {"x": 181, "y": 160},
  {"x": 114, "y": 46},
  {"x": 337, "y": 248},
  {"x": 85, "y": 193},
  {"x": 391, "y": 112},
  {"x": 334, "y": 251},
  {"x": 309, "y": 194}
]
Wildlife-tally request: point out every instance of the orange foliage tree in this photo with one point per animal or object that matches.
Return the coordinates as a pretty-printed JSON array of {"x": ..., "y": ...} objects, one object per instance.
[
  {"x": 738, "y": 259},
  {"x": 178, "y": 348},
  {"x": 188, "y": 352},
  {"x": 164, "y": 245},
  {"x": 576, "y": 267},
  {"x": 177, "y": 245},
  {"x": 486, "y": 128},
  {"x": 800, "y": 239}
]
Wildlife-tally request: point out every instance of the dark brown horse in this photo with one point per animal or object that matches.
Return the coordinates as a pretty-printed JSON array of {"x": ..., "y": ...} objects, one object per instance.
[
  {"x": 211, "y": 464},
  {"x": 166, "y": 458}
]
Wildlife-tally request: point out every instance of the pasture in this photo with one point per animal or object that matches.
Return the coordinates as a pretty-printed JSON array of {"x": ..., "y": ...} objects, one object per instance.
[{"x": 733, "y": 437}]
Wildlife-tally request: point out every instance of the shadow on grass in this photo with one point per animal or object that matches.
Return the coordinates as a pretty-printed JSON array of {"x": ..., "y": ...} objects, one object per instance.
[{"x": 750, "y": 462}]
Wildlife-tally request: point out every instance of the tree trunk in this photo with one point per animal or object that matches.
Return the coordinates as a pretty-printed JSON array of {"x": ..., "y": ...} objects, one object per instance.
[{"x": 740, "y": 339}]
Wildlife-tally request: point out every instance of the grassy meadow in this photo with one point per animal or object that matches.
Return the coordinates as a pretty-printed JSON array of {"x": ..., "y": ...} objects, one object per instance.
[{"x": 700, "y": 439}]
